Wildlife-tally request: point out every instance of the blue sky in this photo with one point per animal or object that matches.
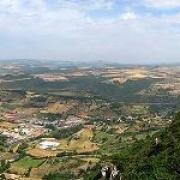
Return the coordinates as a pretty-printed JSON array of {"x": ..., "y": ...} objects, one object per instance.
[{"x": 126, "y": 31}]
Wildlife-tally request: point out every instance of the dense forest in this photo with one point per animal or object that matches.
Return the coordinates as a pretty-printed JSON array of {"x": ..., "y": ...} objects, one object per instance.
[{"x": 128, "y": 92}]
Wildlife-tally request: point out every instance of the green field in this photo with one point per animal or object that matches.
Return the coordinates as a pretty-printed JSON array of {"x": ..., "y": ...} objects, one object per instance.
[{"x": 23, "y": 165}]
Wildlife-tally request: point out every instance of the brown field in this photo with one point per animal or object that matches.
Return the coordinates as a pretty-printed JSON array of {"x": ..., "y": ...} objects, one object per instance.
[
  {"x": 30, "y": 178},
  {"x": 48, "y": 167},
  {"x": 80, "y": 143},
  {"x": 26, "y": 112},
  {"x": 7, "y": 125},
  {"x": 41, "y": 153},
  {"x": 121, "y": 76},
  {"x": 18, "y": 170},
  {"x": 119, "y": 129},
  {"x": 78, "y": 74},
  {"x": 73, "y": 165},
  {"x": 58, "y": 108},
  {"x": 90, "y": 159},
  {"x": 51, "y": 77},
  {"x": 6, "y": 155}
]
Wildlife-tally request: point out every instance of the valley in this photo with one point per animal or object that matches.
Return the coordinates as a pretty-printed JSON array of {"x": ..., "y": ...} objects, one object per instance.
[{"x": 69, "y": 122}]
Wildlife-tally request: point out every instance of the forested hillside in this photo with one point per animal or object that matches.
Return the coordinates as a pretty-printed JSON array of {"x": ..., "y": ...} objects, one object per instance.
[{"x": 157, "y": 157}]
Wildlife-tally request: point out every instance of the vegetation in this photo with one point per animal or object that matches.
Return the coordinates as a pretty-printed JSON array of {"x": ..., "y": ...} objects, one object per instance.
[
  {"x": 2, "y": 140},
  {"x": 126, "y": 93},
  {"x": 58, "y": 176},
  {"x": 3, "y": 166},
  {"x": 28, "y": 162},
  {"x": 64, "y": 133},
  {"x": 147, "y": 158},
  {"x": 127, "y": 124}
]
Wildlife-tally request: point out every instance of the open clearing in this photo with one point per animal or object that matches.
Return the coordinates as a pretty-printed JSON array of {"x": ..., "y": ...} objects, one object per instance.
[
  {"x": 81, "y": 142},
  {"x": 42, "y": 153},
  {"x": 58, "y": 108}
]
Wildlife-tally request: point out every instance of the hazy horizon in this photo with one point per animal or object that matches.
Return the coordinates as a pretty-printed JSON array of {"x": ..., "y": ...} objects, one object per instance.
[
  {"x": 91, "y": 62},
  {"x": 123, "y": 31}
]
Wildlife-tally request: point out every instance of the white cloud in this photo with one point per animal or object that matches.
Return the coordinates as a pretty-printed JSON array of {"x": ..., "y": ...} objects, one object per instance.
[
  {"x": 66, "y": 31},
  {"x": 100, "y": 4},
  {"x": 129, "y": 15},
  {"x": 163, "y": 3}
]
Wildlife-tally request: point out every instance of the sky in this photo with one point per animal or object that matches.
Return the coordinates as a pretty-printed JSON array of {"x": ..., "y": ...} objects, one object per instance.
[{"x": 124, "y": 31}]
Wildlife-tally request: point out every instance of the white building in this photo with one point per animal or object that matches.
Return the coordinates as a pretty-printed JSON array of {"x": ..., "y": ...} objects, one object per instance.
[{"x": 48, "y": 145}]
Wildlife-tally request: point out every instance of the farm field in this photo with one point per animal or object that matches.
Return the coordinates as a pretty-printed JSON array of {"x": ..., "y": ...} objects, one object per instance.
[
  {"x": 81, "y": 142},
  {"x": 23, "y": 165}
]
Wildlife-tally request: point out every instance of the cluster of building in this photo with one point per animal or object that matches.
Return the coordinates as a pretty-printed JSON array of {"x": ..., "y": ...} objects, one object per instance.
[
  {"x": 69, "y": 122},
  {"x": 22, "y": 131}
]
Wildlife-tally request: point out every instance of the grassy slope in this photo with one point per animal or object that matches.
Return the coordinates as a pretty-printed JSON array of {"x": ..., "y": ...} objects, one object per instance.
[{"x": 23, "y": 165}]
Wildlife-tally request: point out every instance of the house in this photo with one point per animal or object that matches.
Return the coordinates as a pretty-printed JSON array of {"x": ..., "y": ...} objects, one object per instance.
[{"x": 129, "y": 119}]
